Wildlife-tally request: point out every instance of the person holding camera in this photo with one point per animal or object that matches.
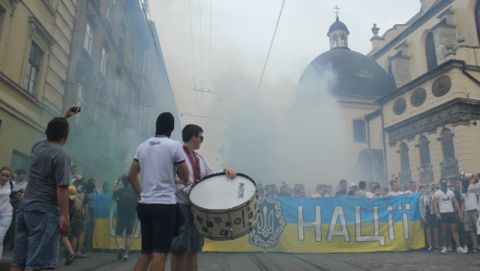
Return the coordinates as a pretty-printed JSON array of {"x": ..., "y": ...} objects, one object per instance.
[
  {"x": 126, "y": 202},
  {"x": 43, "y": 213}
]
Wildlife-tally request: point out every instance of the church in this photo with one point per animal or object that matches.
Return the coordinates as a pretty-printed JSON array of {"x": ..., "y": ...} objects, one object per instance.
[{"x": 412, "y": 104}]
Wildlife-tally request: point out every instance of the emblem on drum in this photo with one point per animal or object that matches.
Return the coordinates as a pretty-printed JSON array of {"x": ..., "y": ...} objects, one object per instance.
[{"x": 270, "y": 223}]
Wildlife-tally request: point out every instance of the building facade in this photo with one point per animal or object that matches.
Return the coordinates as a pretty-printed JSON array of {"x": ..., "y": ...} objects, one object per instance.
[
  {"x": 118, "y": 76},
  {"x": 419, "y": 118},
  {"x": 431, "y": 121},
  {"x": 35, "y": 39}
]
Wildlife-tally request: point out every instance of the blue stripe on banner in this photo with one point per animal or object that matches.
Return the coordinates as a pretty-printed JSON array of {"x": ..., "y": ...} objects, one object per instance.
[{"x": 394, "y": 206}]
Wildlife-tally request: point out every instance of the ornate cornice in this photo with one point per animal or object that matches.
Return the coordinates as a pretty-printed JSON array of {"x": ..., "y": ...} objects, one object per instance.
[{"x": 457, "y": 111}]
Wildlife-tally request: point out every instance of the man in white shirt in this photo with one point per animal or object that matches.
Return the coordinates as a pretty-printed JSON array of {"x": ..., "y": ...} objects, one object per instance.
[
  {"x": 395, "y": 189},
  {"x": 189, "y": 242},
  {"x": 444, "y": 205},
  {"x": 471, "y": 208},
  {"x": 158, "y": 160}
]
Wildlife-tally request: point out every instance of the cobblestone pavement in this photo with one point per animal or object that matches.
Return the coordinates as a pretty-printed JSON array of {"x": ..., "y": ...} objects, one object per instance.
[{"x": 399, "y": 261}]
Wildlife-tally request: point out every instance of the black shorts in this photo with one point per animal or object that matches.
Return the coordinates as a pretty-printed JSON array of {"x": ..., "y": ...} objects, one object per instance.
[
  {"x": 431, "y": 222},
  {"x": 157, "y": 223},
  {"x": 125, "y": 224},
  {"x": 449, "y": 218},
  {"x": 77, "y": 225}
]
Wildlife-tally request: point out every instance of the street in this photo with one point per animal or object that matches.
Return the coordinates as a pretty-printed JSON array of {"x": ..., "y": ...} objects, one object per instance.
[{"x": 398, "y": 261}]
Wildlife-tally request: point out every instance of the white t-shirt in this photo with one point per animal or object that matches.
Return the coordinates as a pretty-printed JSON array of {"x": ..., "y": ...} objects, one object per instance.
[
  {"x": 5, "y": 206},
  {"x": 445, "y": 201},
  {"x": 158, "y": 157},
  {"x": 394, "y": 193},
  {"x": 471, "y": 201},
  {"x": 204, "y": 171}
]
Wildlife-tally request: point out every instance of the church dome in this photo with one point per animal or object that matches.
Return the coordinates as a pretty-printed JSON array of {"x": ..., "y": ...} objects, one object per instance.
[
  {"x": 351, "y": 74},
  {"x": 337, "y": 25}
]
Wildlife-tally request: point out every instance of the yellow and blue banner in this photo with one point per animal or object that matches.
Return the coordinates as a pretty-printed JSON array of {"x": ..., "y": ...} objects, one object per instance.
[
  {"x": 305, "y": 225},
  {"x": 339, "y": 224}
]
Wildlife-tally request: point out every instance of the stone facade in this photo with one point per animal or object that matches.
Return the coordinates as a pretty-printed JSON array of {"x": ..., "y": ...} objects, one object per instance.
[{"x": 35, "y": 38}]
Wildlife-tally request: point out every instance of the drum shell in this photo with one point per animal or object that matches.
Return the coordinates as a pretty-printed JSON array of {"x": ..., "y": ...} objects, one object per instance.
[{"x": 226, "y": 224}]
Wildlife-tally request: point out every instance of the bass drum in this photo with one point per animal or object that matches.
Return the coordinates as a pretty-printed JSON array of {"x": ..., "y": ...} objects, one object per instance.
[{"x": 224, "y": 209}]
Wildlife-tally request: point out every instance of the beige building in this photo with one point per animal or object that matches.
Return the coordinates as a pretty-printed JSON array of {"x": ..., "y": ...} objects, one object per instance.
[
  {"x": 35, "y": 41},
  {"x": 413, "y": 105},
  {"x": 430, "y": 121}
]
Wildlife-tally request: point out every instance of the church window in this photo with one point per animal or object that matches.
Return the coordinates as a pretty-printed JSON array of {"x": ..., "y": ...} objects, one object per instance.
[
  {"x": 405, "y": 174},
  {"x": 359, "y": 131},
  {"x": 424, "y": 149},
  {"x": 447, "y": 145},
  {"x": 431, "y": 52}
]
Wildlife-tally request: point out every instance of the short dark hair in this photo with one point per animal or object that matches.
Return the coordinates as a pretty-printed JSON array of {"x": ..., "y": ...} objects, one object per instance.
[
  {"x": 362, "y": 184},
  {"x": 57, "y": 129},
  {"x": 189, "y": 131},
  {"x": 165, "y": 124}
]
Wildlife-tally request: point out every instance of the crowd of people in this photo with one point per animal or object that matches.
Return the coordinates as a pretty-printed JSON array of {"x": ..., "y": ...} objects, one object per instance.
[
  {"x": 449, "y": 209},
  {"x": 50, "y": 205}
]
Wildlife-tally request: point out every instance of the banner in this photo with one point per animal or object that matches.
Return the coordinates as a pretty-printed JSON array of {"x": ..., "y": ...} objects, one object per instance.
[
  {"x": 305, "y": 225},
  {"x": 339, "y": 224}
]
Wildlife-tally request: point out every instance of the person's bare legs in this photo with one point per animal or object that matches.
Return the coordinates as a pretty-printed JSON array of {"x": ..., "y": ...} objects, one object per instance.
[
  {"x": 454, "y": 233},
  {"x": 177, "y": 262},
  {"x": 81, "y": 243},
  {"x": 191, "y": 262},
  {"x": 68, "y": 245},
  {"x": 158, "y": 261},
  {"x": 436, "y": 242},
  {"x": 473, "y": 237},
  {"x": 143, "y": 262},
  {"x": 428, "y": 235},
  {"x": 128, "y": 244},
  {"x": 118, "y": 242},
  {"x": 443, "y": 228}
]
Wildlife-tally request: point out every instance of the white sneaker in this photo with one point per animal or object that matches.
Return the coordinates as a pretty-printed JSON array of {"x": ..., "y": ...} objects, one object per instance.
[
  {"x": 461, "y": 250},
  {"x": 465, "y": 248},
  {"x": 444, "y": 250}
]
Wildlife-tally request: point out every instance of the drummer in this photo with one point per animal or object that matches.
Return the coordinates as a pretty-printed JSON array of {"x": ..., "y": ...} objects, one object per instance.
[{"x": 189, "y": 242}]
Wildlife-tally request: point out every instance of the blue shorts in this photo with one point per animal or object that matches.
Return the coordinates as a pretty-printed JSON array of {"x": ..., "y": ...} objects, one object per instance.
[{"x": 36, "y": 240}]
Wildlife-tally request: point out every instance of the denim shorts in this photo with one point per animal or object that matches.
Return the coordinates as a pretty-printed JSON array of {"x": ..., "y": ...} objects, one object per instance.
[{"x": 36, "y": 240}]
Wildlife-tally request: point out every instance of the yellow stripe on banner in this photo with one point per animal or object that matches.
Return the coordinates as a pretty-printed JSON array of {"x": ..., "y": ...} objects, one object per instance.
[
  {"x": 104, "y": 235},
  {"x": 397, "y": 240}
]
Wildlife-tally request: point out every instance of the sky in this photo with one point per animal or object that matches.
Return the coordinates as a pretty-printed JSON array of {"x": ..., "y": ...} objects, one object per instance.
[{"x": 219, "y": 47}]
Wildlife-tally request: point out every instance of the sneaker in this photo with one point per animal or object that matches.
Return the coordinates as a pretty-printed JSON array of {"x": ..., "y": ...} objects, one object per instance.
[
  {"x": 81, "y": 255},
  {"x": 430, "y": 249},
  {"x": 461, "y": 250},
  {"x": 444, "y": 250},
  {"x": 125, "y": 258},
  {"x": 120, "y": 254},
  {"x": 69, "y": 260},
  {"x": 465, "y": 248}
]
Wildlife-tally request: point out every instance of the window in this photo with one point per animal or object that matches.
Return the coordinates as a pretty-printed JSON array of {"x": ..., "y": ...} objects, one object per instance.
[
  {"x": 405, "y": 174},
  {"x": 424, "y": 149},
  {"x": 19, "y": 160},
  {"x": 359, "y": 131},
  {"x": 33, "y": 68},
  {"x": 431, "y": 52},
  {"x": 88, "y": 38},
  {"x": 103, "y": 61},
  {"x": 447, "y": 145},
  {"x": 2, "y": 19}
]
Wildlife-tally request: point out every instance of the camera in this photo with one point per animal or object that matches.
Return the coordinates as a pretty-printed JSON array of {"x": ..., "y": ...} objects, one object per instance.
[{"x": 76, "y": 109}]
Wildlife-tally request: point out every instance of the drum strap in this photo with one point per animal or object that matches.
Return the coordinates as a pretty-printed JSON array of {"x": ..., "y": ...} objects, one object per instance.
[{"x": 194, "y": 162}]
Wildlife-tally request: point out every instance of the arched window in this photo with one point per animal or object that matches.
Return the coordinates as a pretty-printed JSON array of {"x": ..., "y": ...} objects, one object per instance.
[
  {"x": 447, "y": 145},
  {"x": 405, "y": 174},
  {"x": 424, "y": 149},
  {"x": 359, "y": 131},
  {"x": 431, "y": 52}
]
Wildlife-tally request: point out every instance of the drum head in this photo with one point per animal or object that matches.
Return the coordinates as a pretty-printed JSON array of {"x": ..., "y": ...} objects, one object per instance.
[{"x": 217, "y": 192}]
